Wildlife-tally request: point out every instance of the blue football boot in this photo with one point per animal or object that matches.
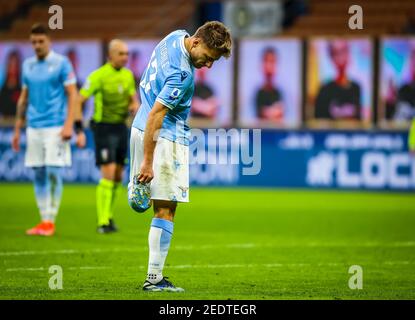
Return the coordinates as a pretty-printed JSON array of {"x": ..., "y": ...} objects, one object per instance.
[{"x": 162, "y": 285}]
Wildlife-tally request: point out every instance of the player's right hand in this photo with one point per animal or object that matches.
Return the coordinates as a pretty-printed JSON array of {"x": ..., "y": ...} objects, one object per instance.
[
  {"x": 16, "y": 142},
  {"x": 66, "y": 132},
  {"x": 146, "y": 173},
  {"x": 81, "y": 140}
]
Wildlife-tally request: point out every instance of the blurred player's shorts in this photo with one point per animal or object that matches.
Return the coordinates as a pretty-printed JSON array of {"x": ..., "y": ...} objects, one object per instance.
[
  {"x": 170, "y": 166},
  {"x": 45, "y": 147}
]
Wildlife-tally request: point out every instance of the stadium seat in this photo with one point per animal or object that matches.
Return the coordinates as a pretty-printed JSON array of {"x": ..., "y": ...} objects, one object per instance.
[{"x": 102, "y": 19}]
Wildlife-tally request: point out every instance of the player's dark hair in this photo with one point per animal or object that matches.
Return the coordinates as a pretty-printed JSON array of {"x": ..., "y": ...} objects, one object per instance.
[
  {"x": 39, "y": 28},
  {"x": 215, "y": 35}
]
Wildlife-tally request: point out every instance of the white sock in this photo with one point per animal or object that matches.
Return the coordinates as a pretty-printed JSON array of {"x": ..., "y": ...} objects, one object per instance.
[
  {"x": 55, "y": 187},
  {"x": 159, "y": 239}
]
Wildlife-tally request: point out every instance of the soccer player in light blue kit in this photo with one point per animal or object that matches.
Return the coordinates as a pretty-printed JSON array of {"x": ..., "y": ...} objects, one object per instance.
[
  {"x": 159, "y": 167},
  {"x": 48, "y": 96}
]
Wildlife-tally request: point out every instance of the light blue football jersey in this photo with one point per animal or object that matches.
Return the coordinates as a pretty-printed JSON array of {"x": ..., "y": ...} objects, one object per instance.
[
  {"x": 168, "y": 79},
  {"x": 46, "y": 80}
]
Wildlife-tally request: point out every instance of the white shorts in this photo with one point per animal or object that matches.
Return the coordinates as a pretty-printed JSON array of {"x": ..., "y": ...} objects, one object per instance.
[
  {"x": 45, "y": 147},
  {"x": 170, "y": 166}
]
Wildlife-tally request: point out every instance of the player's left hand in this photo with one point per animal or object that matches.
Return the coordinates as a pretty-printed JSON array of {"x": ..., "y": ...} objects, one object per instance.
[{"x": 66, "y": 133}]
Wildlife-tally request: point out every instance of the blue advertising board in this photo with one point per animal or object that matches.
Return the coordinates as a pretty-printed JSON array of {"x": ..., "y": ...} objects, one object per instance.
[{"x": 374, "y": 160}]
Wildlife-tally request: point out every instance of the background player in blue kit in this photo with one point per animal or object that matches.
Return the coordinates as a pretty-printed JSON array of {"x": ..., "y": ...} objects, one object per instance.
[
  {"x": 47, "y": 99},
  {"x": 159, "y": 169}
]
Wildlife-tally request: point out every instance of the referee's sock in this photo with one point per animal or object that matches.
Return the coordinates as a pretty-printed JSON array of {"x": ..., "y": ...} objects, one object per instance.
[
  {"x": 105, "y": 190},
  {"x": 159, "y": 239},
  {"x": 114, "y": 194}
]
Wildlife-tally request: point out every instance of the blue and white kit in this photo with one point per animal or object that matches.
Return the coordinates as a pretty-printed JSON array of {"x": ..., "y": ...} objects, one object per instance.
[
  {"x": 45, "y": 81},
  {"x": 168, "y": 79}
]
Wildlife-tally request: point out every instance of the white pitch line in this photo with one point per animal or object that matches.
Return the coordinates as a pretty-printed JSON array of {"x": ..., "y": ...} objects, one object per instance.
[
  {"x": 25, "y": 269},
  {"x": 89, "y": 268},
  {"x": 209, "y": 247},
  {"x": 215, "y": 266},
  {"x": 397, "y": 262},
  {"x": 32, "y": 253}
]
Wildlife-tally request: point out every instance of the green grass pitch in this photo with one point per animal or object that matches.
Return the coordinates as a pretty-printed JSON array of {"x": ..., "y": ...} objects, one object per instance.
[{"x": 227, "y": 244}]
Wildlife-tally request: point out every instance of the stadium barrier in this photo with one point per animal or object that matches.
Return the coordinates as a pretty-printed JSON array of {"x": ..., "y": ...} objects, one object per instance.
[{"x": 289, "y": 159}]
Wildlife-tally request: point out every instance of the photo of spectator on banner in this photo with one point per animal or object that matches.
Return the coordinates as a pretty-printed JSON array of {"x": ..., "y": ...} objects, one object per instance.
[
  {"x": 212, "y": 99},
  {"x": 339, "y": 86},
  {"x": 270, "y": 83},
  {"x": 9, "y": 92},
  {"x": 268, "y": 98},
  {"x": 205, "y": 105},
  {"x": 11, "y": 59},
  {"x": 397, "y": 82}
]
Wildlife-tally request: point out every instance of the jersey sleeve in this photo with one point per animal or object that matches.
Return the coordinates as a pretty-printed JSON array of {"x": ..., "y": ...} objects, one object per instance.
[
  {"x": 91, "y": 85},
  {"x": 174, "y": 89},
  {"x": 67, "y": 74}
]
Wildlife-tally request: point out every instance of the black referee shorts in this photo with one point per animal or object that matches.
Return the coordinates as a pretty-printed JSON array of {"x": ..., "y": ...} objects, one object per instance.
[{"x": 111, "y": 141}]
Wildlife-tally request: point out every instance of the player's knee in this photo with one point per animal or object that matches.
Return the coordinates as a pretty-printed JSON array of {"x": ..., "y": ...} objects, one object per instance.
[
  {"x": 39, "y": 174},
  {"x": 164, "y": 213},
  {"x": 164, "y": 209}
]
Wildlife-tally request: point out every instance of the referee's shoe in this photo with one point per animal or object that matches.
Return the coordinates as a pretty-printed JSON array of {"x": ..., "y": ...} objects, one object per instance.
[{"x": 109, "y": 228}]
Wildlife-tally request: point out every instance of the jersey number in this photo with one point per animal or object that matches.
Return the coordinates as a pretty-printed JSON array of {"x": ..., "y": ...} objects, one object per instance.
[{"x": 146, "y": 82}]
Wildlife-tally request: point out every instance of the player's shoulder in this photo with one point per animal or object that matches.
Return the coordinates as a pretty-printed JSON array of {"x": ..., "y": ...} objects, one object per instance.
[
  {"x": 177, "y": 34},
  {"x": 178, "y": 56},
  {"x": 29, "y": 61},
  {"x": 57, "y": 57},
  {"x": 59, "y": 60}
]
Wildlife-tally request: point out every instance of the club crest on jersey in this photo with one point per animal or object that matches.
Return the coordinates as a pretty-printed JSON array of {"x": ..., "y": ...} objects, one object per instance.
[
  {"x": 175, "y": 93},
  {"x": 183, "y": 75}
]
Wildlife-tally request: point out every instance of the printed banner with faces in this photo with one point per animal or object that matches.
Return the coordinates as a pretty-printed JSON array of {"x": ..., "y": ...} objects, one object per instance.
[
  {"x": 339, "y": 83},
  {"x": 269, "y": 87}
]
